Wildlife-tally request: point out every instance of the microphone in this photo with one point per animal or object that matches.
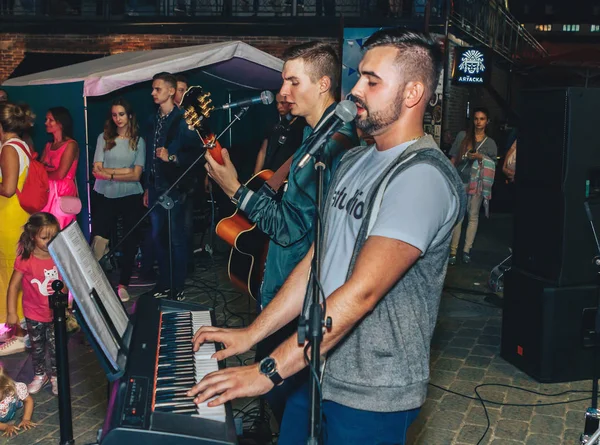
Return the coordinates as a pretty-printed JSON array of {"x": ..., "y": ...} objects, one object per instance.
[
  {"x": 266, "y": 98},
  {"x": 344, "y": 112}
]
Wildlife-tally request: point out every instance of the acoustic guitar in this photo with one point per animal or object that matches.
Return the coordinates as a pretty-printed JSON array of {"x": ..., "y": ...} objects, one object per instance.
[{"x": 248, "y": 244}]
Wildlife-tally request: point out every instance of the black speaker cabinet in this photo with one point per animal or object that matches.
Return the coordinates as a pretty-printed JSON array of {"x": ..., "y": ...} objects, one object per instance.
[
  {"x": 558, "y": 168},
  {"x": 547, "y": 330}
]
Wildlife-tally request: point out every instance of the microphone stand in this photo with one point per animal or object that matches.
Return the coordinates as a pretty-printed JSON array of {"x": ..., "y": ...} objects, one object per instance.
[
  {"x": 167, "y": 203},
  {"x": 311, "y": 330},
  {"x": 591, "y": 432}
]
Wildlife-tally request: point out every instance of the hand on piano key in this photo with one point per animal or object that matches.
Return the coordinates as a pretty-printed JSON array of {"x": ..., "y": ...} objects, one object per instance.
[
  {"x": 236, "y": 341},
  {"x": 231, "y": 383}
]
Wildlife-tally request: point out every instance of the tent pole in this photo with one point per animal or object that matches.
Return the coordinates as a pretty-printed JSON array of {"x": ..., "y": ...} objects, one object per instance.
[{"x": 87, "y": 164}]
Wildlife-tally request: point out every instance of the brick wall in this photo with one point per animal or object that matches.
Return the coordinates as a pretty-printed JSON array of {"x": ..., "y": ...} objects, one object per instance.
[
  {"x": 455, "y": 101},
  {"x": 14, "y": 46}
]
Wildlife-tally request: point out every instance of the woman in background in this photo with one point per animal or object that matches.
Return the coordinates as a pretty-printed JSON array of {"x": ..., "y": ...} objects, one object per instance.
[
  {"x": 60, "y": 158},
  {"x": 118, "y": 163},
  {"x": 474, "y": 155}
]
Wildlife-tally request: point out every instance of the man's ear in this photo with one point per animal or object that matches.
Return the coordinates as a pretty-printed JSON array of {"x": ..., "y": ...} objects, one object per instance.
[
  {"x": 324, "y": 84},
  {"x": 414, "y": 93}
]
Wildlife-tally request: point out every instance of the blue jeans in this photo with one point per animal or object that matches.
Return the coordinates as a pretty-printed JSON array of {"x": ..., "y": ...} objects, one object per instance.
[
  {"x": 160, "y": 236},
  {"x": 343, "y": 425}
]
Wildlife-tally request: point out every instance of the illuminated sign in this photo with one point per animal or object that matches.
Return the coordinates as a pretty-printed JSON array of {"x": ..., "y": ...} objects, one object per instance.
[{"x": 471, "y": 66}]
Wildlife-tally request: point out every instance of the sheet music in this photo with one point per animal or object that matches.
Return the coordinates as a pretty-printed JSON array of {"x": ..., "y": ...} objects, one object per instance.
[{"x": 82, "y": 274}]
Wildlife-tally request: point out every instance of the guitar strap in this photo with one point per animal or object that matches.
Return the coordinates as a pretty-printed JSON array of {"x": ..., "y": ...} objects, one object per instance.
[{"x": 279, "y": 177}]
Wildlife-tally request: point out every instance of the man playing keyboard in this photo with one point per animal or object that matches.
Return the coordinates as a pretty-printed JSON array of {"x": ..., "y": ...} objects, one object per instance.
[{"x": 383, "y": 266}]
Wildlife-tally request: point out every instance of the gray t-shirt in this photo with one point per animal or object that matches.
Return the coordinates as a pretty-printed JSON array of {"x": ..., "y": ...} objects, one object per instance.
[
  {"x": 417, "y": 208},
  {"x": 120, "y": 156},
  {"x": 487, "y": 148}
]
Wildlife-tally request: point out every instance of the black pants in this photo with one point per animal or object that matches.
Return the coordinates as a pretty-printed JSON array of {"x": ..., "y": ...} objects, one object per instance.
[{"x": 104, "y": 219}]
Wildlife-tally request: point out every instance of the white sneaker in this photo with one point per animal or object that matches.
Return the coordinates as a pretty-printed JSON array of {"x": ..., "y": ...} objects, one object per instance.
[
  {"x": 38, "y": 382},
  {"x": 13, "y": 346},
  {"x": 123, "y": 294},
  {"x": 54, "y": 383}
]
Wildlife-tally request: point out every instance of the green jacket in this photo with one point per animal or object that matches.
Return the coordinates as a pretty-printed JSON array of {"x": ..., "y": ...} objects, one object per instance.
[{"x": 288, "y": 222}]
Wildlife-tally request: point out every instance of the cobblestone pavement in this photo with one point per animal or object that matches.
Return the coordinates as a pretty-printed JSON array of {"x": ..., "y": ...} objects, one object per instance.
[{"x": 465, "y": 353}]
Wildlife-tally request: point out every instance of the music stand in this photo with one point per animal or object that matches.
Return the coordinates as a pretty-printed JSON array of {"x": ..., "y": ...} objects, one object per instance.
[{"x": 100, "y": 313}]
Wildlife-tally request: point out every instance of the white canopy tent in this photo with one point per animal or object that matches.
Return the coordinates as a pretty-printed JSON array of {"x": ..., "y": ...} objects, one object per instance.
[
  {"x": 108, "y": 74},
  {"x": 226, "y": 67}
]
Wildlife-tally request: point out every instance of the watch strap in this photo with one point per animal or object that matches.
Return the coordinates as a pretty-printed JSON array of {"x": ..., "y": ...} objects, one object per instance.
[
  {"x": 276, "y": 378},
  {"x": 238, "y": 195}
]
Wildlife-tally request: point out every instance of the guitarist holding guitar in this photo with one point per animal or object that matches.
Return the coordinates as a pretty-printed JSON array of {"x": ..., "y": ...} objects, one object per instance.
[{"x": 310, "y": 82}]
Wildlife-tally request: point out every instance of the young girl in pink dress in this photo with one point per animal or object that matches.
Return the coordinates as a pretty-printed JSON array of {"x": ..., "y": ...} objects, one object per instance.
[{"x": 60, "y": 158}]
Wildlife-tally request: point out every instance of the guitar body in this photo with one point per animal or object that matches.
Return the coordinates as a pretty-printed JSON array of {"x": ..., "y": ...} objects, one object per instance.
[{"x": 249, "y": 245}]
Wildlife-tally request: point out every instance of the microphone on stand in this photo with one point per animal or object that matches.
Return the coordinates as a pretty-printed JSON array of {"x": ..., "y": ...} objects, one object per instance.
[
  {"x": 344, "y": 112},
  {"x": 266, "y": 98}
]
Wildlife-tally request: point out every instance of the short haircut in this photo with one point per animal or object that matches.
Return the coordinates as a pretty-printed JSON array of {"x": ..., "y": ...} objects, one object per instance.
[
  {"x": 420, "y": 58},
  {"x": 322, "y": 59},
  {"x": 167, "y": 78},
  {"x": 181, "y": 78}
]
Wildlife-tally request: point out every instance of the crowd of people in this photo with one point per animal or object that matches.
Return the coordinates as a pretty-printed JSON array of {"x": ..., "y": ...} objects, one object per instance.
[
  {"x": 382, "y": 269},
  {"x": 120, "y": 190}
]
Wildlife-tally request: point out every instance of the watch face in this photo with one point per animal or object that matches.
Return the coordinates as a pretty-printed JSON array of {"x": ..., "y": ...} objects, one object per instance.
[{"x": 267, "y": 366}]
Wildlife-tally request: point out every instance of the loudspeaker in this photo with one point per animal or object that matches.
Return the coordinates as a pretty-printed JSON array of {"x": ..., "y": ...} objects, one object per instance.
[
  {"x": 547, "y": 330},
  {"x": 558, "y": 168}
]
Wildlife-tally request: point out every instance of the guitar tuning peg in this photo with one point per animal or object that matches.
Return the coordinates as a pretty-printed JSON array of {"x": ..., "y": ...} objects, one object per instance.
[{"x": 206, "y": 112}]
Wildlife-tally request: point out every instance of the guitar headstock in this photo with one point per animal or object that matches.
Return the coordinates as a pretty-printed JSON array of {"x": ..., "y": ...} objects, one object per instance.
[{"x": 196, "y": 106}]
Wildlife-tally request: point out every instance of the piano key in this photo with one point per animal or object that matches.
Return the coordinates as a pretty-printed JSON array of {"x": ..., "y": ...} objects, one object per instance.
[
  {"x": 174, "y": 404},
  {"x": 179, "y": 367}
]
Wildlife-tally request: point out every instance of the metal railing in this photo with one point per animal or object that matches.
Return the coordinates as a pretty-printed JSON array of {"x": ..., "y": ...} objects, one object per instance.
[
  {"x": 182, "y": 9},
  {"x": 488, "y": 22}
]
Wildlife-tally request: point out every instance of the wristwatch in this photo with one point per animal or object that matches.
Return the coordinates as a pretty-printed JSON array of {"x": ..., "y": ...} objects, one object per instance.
[
  {"x": 268, "y": 367},
  {"x": 172, "y": 158},
  {"x": 238, "y": 195}
]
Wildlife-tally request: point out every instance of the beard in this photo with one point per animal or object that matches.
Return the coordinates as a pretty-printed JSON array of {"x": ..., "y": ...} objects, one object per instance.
[{"x": 374, "y": 122}]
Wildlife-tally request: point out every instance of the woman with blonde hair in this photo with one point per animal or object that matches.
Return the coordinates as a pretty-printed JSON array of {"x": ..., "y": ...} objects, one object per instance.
[{"x": 14, "y": 165}]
